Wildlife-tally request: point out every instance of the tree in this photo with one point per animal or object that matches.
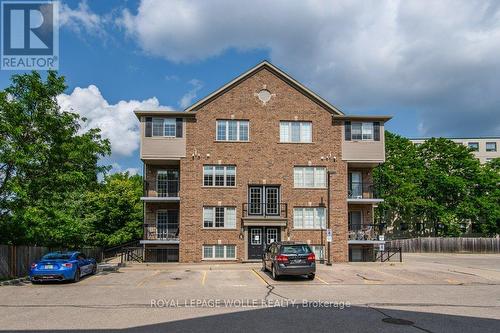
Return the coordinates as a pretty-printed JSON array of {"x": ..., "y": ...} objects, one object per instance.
[
  {"x": 396, "y": 181},
  {"x": 487, "y": 199},
  {"x": 114, "y": 210},
  {"x": 45, "y": 163},
  {"x": 436, "y": 188}
]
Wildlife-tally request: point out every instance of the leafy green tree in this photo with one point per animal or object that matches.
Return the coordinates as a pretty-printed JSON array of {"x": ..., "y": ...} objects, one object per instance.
[
  {"x": 46, "y": 163},
  {"x": 396, "y": 180},
  {"x": 487, "y": 199},
  {"x": 436, "y": 188},
  {"x": 114, "y": 210}
]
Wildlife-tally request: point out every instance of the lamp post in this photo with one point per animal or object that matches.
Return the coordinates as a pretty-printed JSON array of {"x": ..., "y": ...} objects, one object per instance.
[
  {"x": 322, "y": 259},
  {"x": 329, "y": 262}
]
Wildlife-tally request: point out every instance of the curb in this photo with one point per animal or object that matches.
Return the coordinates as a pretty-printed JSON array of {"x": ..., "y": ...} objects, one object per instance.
[
  {"x": 109, "y": 267},
  {"x": 14, "y": 282}
]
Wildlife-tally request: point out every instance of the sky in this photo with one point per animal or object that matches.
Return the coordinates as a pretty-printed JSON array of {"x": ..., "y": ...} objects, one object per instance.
[{"x": 433, "y": 65}]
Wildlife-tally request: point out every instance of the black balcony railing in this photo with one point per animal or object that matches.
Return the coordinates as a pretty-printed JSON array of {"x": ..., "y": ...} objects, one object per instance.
[
  {"x": 252, "y": 209},
  {"x": 152, "y": 232},
  {"x": 358, "y": 190},
  {"x": 164, "y": 189},
  {"x": 365, "y": 231}
]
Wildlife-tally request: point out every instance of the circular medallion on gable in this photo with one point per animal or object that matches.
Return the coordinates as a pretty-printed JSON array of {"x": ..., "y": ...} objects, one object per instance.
[{"x": 264, "y": 96}]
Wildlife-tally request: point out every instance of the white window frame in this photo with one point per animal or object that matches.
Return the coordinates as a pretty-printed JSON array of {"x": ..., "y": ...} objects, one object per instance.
[
  {"x": 213, "y": 175},
  {"x": 367, "y": 129},
  {"x": 213, "y": 252},
  {"x": 316, "y": 223},
  {"x": 238, "y": 129},
  {"x": 164, "y": 120},
  {"x": 302, "y": 137},
  {"x": 300, "y": 171},
  {"x": 226, "y": 222}
]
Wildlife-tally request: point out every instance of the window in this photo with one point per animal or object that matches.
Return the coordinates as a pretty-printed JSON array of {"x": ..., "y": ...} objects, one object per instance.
[
  {"x": 474, "y": 146},
  {"x": 295, "y": 131},
  {"x": 219, "y": 217},
  {"x": 165, "y": 127},
  {"x": 355, "y": 220},
  {"x": 491, "y": 146},
  {"x": 167, "y": 183},
  {"x": 309, "y": 177},
  {"x": 362, "y": 131},
  {"x": 219, "y": 175},
  {"x": 309, "y": 218},
  {"x": 167, "y": 224},
  {"x": 319, "y": 251},
  {"x": 219, "y": 252},
  {"x": 232, "y": 130}
]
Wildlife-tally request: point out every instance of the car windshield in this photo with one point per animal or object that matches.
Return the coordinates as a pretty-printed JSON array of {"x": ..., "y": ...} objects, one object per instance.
[
  {"x": 295, "y": 249},
  {"x": 54, "y": 256}
]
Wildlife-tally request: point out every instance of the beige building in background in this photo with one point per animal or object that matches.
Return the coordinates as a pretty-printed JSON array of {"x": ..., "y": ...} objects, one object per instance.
[{"x": 485, "y": 148}]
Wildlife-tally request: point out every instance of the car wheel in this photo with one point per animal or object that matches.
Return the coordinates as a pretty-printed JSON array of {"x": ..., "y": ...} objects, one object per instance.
[
  {"x": 263, "y": 266},
  {"x": 94, "y": 269},
  {"x": 77, "y": 275},
  {"x": 311, "y": 276},
  {"x": 275, "y": 274}
]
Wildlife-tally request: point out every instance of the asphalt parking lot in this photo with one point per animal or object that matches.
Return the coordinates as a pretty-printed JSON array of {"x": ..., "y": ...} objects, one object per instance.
[{"x": 431, "y": 293}]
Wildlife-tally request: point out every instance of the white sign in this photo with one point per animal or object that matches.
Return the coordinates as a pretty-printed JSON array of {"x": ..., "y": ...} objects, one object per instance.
[
  {"x": 381, "y": 237},
  {"x": 381, "y": 247},
  {"x": 328, "y": 235}
]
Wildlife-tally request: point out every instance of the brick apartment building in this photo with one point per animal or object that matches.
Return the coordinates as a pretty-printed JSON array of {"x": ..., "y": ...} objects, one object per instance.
[{"x": 261, "y": 159}]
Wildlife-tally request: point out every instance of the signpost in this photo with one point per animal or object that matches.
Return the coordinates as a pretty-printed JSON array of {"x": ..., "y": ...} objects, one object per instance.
[{"x": 329, "y": 235}]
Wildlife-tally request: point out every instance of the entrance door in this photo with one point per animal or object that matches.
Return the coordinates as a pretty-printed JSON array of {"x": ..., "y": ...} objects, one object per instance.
[
  {"x": 355, "y": 185},
  {"x": 259, "y": 238},
  {"x": 264, "y": 200}
]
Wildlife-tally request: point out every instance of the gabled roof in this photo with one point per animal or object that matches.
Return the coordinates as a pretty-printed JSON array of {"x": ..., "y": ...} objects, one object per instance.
[{"x": 280, "y": 73}]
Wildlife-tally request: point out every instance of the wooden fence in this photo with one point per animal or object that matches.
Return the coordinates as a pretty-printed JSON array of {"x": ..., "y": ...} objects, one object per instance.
[
  {"x": 448, "y": 244},
  {"x": 16, "y": 259}
]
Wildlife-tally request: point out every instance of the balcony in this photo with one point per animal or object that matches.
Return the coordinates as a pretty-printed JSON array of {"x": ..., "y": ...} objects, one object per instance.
[
  {"x": 364, "y": 233},
  {"x": 272, "y": 214},
  {"x": 162, "y": 235},
  {"x": 164, "y": 191},
  {"x": 358, "y": 192}
]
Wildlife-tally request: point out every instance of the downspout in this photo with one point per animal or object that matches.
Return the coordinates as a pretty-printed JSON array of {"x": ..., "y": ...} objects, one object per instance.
[
  {"x": 144, "y": 210},
  {"x": 329, "y": 262}
]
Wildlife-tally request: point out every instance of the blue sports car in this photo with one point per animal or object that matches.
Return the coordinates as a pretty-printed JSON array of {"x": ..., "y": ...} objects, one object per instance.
[{"x": 60, "y": 266}]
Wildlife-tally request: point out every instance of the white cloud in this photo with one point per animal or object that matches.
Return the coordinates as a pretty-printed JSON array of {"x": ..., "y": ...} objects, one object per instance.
[
  {"x": 117, "y": 168},
  {"x": 116, "y": 121},
  {"x": 81, "y": 18},
  {"x": 188, "y": 98},
  {"x": 438, "y": 57}
]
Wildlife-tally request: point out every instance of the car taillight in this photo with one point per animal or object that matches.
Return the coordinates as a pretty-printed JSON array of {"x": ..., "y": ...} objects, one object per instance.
[
  {"x": 311, "y": 257},
  {"x": 67, "y": 265},
  {"x": 281, "y": 258},
  {"x": 33, "y": 265}
]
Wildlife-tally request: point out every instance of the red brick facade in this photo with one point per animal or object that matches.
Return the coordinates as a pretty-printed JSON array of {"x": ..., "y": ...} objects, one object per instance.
[{"x": 263, "y": 160}]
